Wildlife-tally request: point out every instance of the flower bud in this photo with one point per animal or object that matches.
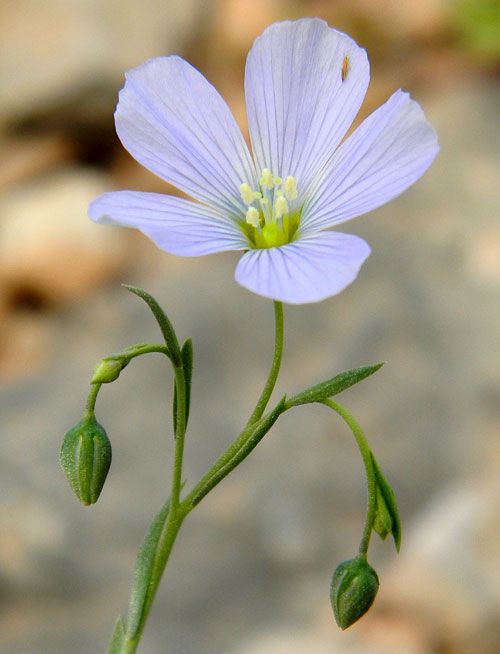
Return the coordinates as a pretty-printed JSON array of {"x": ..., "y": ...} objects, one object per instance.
[
  {"x": 107, "y": 370},
  {"x": 85, "y": 459},
  {"x": 353, "y": 590}
]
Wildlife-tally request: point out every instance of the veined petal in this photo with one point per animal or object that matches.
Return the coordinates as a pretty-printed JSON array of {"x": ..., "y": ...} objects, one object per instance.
[
  {"x": 387, "y": 153},
  {"x": 175, "y": 123},
  {"x": 306, "y": 270},
  {"x": 304, "y": 84},
  {"x": 176, "y": 225}
]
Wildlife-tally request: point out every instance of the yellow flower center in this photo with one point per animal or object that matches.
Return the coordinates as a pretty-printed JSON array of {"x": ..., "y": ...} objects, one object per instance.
[{"x": 269, "y": 222}]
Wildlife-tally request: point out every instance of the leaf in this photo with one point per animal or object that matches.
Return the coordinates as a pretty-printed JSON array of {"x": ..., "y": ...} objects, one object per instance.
[
  {"x": 143, "y": 570},
  {"x": 333, "y": 386},
  {"x": 164, "y": 323},
  {"x": 389, "y": 502},
  {"x": 187, "y": 364},
  {"x": 118, "y": 639}
]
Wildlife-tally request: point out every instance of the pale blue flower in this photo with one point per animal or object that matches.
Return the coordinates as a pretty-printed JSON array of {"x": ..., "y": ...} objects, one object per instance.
[{"x": 304, "y": 85}]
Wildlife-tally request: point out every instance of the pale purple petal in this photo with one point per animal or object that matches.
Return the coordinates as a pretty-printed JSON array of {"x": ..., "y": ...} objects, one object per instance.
[
  {"x": 175, "y": 123},
  {"x": 299, "y": 107},
  {"x": 176, "y": 225},
  {"x": 387, "y": 153},
  {"x": 307, "y": 270}
]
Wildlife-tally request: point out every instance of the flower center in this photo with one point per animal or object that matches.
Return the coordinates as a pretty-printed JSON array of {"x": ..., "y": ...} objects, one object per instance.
[{"x": 269, "y": 222}]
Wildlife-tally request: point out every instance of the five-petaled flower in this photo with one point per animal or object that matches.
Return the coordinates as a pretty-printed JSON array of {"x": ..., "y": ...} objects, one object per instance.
[{"x": 304, "y": 85}]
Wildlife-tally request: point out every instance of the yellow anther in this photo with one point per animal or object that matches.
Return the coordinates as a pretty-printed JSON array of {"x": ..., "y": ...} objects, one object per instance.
[
  {"x": 252, "y": 217},
  {"x": 280, "y": 207},
  {"x": 257, "y": 195},
  {"x": 290, "y": 188},
  {"x": 263, "y": 202},
  {"x": 247, "y": 195},
  {"x": 266, "y": 181},
  {"x": 277, "y": 181}
]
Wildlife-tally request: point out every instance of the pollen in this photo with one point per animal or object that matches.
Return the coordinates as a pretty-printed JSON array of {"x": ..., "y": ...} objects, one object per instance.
[
  {"x": 267, "y": 179},
  {"x": 271, "y": 217},
  {"x": 247, "y": 195},
  {"x": 280, "y": 207},
  {"x": 253, "y": 217},
  {"x": 290, "y": 188}
]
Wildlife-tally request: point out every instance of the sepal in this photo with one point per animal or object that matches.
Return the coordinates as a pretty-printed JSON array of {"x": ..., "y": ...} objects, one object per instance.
[
  {"x": 85, "y": 459},
  {"x": 353, "y": 590}
]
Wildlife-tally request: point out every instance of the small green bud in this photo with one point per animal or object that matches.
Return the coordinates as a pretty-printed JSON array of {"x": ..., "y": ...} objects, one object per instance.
[
  {"x": 107, "y": 370},
  {"x": 85, "y": 459},
  {"x": 353, "y": 590}
]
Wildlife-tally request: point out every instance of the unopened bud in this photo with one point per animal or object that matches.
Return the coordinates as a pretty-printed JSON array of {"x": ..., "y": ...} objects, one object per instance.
[
  {"x": 353, "y": 590},
  {"x": 85, "y": 459},
  {"x": 107, "y": 370}
]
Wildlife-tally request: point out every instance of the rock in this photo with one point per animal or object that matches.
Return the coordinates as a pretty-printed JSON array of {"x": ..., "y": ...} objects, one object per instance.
[
  {"x": 49, "y": 248},
  {"x": 50, "y": 48},
  {"x": 448, "y": 576}
]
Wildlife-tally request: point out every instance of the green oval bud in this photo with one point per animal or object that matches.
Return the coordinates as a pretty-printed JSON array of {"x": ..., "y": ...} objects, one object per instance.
[
  {"x": 85, "y": 459},
  {"x": 353, "y": 590},
  {"x": 107, "y": 370}
]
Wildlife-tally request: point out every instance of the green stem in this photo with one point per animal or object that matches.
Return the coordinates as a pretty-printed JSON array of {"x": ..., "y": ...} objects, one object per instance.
[
  {"x": 180, "y": 431},
  {"x": 91, "y": 400},
  {"x": 370, "y": 473},
  {"x": 275, "y": 366},
  {"x": 177, "y": 510},
  {"x": 247, "y": 432}
]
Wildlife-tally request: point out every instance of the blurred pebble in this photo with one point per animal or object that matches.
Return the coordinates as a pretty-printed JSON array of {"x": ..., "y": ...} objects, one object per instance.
[
  {"x": 48, "y": 245},
  {"x": 50, "y": 49}
]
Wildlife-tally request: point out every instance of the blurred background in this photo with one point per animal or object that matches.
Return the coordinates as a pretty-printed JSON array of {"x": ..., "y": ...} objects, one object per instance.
[{"x": 251, "y": 569}]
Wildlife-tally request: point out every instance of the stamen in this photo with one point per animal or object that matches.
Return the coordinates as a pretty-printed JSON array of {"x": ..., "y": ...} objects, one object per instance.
[
  {"x": 247, "y": 195},
  {"x": 280, "y": 207},
  {"x": 252, "y": 217},
  {"x": 290, "y": 188},
  {"x": 277, "y": 181},
  {"x": 266, "y": 181},
  {"x": 266, "y": 210}
]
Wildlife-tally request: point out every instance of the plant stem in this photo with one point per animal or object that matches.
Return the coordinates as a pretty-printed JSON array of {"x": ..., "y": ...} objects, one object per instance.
[
  {"x": 91, "y": 400},
  {"x": 239, "y": 442},
  {"x": 370, "y": 473},
  {"x": 275, "y": 366},
  {"x": 179, "y": 510}
]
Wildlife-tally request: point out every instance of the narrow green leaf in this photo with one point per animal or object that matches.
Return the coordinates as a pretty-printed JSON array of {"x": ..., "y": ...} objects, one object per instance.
[
  {"x": 164, "y": 323},
  {"x": 143, "y": 569},
  {"x": 333, "y": 386},
  {"x": 389, "y": 501},
  {"x": 118, "y": 639},
  {"x": 187, "y": 364}
]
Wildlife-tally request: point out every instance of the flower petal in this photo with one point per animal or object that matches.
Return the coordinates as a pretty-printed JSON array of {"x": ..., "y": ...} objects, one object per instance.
[
  {"x": 387, "y": 153},
  {"x": 299, "y": 106},
  {"x": 307, "y": 270},
  {"x": 174, "y": 122},
  {"x": 176, "y": 225}
]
